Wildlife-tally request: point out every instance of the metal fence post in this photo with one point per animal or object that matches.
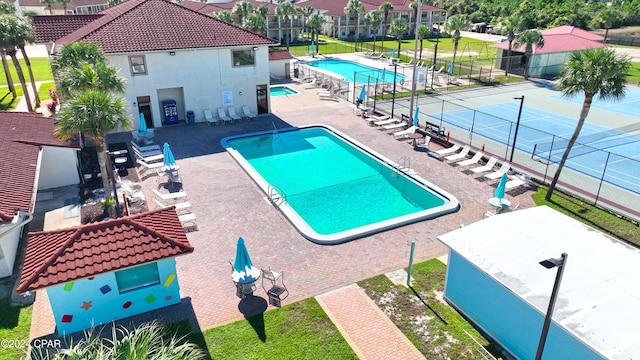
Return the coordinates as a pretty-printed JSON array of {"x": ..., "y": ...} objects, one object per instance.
[{"x": 604, "y": 171}]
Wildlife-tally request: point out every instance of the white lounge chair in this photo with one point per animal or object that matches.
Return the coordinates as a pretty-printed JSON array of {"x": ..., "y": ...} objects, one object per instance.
[
  {"x": 209, "y": 117},
  {"x": 149, "y": 157},
  {"x": 223, "y": 116},
  {"x": 247, "y": 113},
  {"x": 187, "y": 219},
  {"x": 145, "y": 148},
  {"x": 181, "y": 207},
  {"x": 487, "y": 167},
  {"x": 474, "y": 160},
  {"x": 155, "y": 167},
  {"x": 394, "y": 126},
  {"x": 518, "y": 181},
  {"x": 169, "y": 196},
  {"x": 462, "y": 154},
  {"x": 233, "y": 115},
  {"x": 327, "y": 96},
  {"x": 447, "y": 151},
  {"x": 497, "y": 174},
  {"x": 385, "y": 122},
  {"x": 403, "y": 133},
  {"x": 312, "y": 84}
]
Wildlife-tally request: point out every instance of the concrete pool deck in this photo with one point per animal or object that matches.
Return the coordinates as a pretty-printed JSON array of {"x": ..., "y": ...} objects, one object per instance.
[{"x": 228, "y": 204}]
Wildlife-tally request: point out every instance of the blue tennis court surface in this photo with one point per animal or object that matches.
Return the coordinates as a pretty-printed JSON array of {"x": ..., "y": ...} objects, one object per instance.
[
  {"x": 536, "y": 133},
  {"x": 628, "y": 105}
]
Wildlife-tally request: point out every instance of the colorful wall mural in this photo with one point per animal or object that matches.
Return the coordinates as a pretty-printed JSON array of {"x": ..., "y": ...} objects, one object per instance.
[{"x": 93, "y": 301}]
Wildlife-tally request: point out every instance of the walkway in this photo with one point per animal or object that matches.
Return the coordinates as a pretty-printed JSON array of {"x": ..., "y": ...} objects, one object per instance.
[{"x": 369, "y": 332}]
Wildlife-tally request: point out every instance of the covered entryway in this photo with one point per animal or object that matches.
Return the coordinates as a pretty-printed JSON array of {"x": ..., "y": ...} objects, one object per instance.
[
  {"x": 262, "y": 99},
  {"x": 144, "y": 107}
]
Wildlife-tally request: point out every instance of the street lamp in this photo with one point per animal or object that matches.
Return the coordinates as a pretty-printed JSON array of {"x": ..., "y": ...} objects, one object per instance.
[
  {"x": 515, "y": 136},
  {"x": 394, "y": 62},
  {"x": 550, "y": 264}
]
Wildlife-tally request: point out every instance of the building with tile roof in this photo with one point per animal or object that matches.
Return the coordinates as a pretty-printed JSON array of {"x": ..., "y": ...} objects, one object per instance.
[
  {"x": 32, "y": 159},
  {"x": 109, "y": 270},
  {"x": 37, "y": 7},
  {"x": 171, "y": 54},
  {"x": 547, "y": 61}
]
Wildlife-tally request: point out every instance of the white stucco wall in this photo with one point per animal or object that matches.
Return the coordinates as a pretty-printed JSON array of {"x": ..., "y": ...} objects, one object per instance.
[
  {"x": 58, "y": 167},
  {"x": 200, "y": 75},
  {"x": 9, "y": 239},
  {"x": 278, "y": 67}
]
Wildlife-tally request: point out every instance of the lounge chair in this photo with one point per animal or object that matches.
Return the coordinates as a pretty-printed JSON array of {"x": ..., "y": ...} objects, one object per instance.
[
  {"x": 173, "y": 196},
  {"x": 497, "y": 174},
  {"x": 223, "y": 116},
  {"x": 424, "y": 143},
  {"x": 155, "y": 167},
  {"x": 474, "y": 160},
  {"x": 275, "y": 77},
  {"x": 209, "y": 117},
  {"x": 487, "y": 167},
  {"x": 232, "y": 114},
  {"x": 146, "y": 148},
  {"x": 394, "y": 126},
  {"x": 462, "y": 154},
  {"x": 312, "y": 84},
  {"x": 187, "y": 219},
  {"x": 149, "y": 157},
  {"x": 327, "y": 96},
  {"x": 181, "y": 207},
  {"x": 518, "y": 181},
  {"x": 380, "y": 56},
  {"x": 386, "y": 122},
  {"x": 247, "y": 113},
  {"x": 403, "y": 133},
  {"x": 447, "y": 151}
]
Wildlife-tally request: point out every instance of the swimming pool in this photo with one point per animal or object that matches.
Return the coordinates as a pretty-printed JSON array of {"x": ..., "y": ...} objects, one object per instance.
[
  {"x": 346, "y": 69},
  {"x": 330, "y": 187},
  {"x": 281, "y": 90}
]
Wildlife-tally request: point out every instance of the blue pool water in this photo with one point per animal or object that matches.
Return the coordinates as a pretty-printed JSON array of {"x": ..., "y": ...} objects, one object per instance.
[
  {"x": 280, "y": 90},
  {"x": 336, "y": 189},
  {"x": 346, "y": 69}
]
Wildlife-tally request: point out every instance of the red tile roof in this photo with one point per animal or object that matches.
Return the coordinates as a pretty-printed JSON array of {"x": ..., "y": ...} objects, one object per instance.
[
  {"x": 279, "y": 55},
  {"x": 49, "y": 28},
  {"x": 20, "y": 136},
  {"x": 336, "y": 7},
  {"x": 59, "y": 256},
  {"x": 562, "y": 39},
  {"x": 153, "y": 25}
]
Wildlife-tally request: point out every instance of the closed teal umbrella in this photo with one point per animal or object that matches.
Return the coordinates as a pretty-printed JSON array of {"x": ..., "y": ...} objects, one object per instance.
[
  {"x": 416, "y": 121},
  {"x": 312, "y": 46},
  {"x": 362, "y": 94},
  {"x": 243, "y": 263},
  {"x": 451, "y": 68},
  {"x": 169, "y": 159},
  {"x": 499, "y": 193},
  {"x": 393, "y": 53},
  {"x": 143, "y": 123}
]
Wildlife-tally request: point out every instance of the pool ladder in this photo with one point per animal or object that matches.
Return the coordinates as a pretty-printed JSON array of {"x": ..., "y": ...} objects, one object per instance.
[
  {"x": 402, "y": 165},
  {"x": 276, "y": 196}
]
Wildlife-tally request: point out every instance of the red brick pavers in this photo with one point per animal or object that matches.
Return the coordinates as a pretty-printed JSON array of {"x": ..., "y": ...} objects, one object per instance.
[{"x": 366, "y": 328}]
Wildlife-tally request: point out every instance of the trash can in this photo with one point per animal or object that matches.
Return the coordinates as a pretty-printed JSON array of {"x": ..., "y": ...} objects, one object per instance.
[
  {"x": 191, "y": 118},
  {"x": 296, "y": 73}
]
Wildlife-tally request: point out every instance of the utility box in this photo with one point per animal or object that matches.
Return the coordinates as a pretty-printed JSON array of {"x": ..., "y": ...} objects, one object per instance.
[{"x": 191, "y": 118}]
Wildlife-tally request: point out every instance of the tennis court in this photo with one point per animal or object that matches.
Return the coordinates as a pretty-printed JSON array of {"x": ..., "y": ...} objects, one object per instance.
[
  {"x": 629, "y": 105},
  {"x": 535, "y": 137}
]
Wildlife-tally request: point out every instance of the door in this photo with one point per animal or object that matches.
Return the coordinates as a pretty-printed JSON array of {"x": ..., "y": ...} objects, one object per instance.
[
  {"x": 262, "y": 99},
  {"x": 144, "y": 107},
  {"x": 287, "y": 70}
]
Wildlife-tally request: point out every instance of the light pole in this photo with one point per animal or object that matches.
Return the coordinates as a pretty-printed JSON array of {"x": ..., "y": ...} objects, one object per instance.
[
  {"x": 550, "y": 264},
  {"x": 515, "y": 135},
  {"x": 394, "y": 61},
  {"x": 435, "y": 57}
]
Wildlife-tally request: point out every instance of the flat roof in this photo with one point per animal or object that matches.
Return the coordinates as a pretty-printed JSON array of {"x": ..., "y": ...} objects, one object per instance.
[{"x": 599, "y": 297}]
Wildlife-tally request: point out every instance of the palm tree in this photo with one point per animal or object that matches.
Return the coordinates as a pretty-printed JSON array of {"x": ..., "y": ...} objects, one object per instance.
[
  {"x": 72, "y": 55},
  {"x": 386, "y": 8},
  {"x": 398, "y": 29},
  {"x": 263, "y": 10},
  {"x": 509, "y": 26},
  {"x": 414, "y": 7},
  {"x": 225, "y": 16},
  {"x": 94, "y": 113},
  {"x": 423, "y": 32},
  {"x": 25, "y": 36},
  {"x": 593, "y": 72},
  {"x": 256, "y": 23},
  {"x": 315, "y": 23},
  {"x": 101, "y": 76},
  {"x": 48, "y": 3},
  {"x": 285, "y": 10},
  {"x": 242, "y": 9},
  {"x": 529, "y": 38},
  {"x": 10, "y": 28},
  {"x": 306, "y": 11},
  {"x": 374, "y": 18},
  {"x": 354, "y": 8},
  {"x": 454, "y": 24},
  {"x": 64, "y": 4},
  {"x": 606, "y": 18},
  {"x": 7, "y": 8}
]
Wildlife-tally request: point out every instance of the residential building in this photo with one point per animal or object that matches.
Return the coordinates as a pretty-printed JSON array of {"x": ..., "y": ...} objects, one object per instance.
[{"x": 37, "y": 7}]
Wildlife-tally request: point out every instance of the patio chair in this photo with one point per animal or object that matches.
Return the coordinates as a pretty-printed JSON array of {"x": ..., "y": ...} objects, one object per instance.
[
  {"x": 209, "y": 117},
  {"x": 232, "y": 114},
  {"x": 498, "y": 174},
  {"x": 247, "y": 113},
  {"x": 181, "y": 207},
  {"x": 424, "y": 143},
  {"x": 474, "y": 160},
  {"x": 487, "y": 167},
  {"x": 462, "y": 154},
  {"x": 223, "y": 116},
  {"x": 399, "y": 135},
  {"x": 276, "y": 290},
  {"x": 446, "y": 151}
]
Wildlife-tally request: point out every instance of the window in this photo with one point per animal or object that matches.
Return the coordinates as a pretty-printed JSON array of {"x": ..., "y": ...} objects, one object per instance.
[
  {"x": 137, "y": 277},
  {"x": 138, "y": 65},
  {"x": 243, "y": 58}
]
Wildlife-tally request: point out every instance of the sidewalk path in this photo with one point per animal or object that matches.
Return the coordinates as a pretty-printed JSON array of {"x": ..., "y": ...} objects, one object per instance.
[{"x": 366, "y": 328}]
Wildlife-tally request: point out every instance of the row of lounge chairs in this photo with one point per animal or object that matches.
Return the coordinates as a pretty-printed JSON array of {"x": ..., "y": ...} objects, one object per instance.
[{"x": 228, "y": 116}]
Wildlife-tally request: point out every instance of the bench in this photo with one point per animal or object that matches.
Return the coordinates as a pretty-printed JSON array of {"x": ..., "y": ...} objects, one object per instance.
[{"x": 435, "y": 130}]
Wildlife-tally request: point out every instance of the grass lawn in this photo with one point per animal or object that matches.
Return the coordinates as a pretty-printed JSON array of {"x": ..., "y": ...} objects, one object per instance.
[
  {"x": 634, "y": 73},
  {"x": 40, "y": 66},
  {"x": 591, "y": 215},
  {"x": 15, "y": 322},
  {"x": 7, "y": 101},
  {"x": 43, "y": 92},
  {"x": 433, "y": 326},
  {"x": 300, "y": 330}
]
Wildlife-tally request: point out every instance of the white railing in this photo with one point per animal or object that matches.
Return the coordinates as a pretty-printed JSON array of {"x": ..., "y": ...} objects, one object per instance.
[{"x": 276, "y": 196}]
